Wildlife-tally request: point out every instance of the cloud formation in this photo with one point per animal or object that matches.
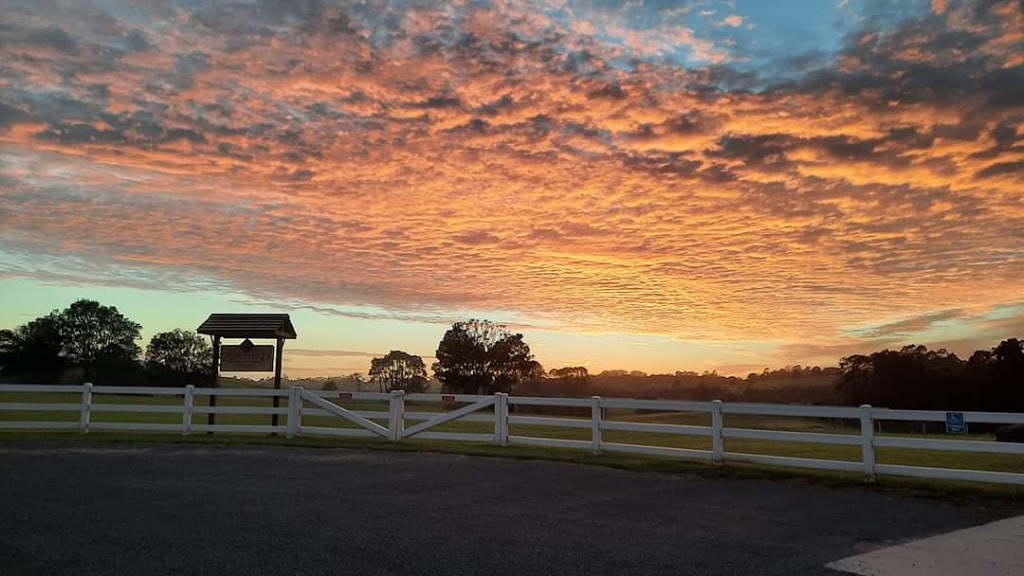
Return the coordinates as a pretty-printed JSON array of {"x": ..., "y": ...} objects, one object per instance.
[{"x": 587, "y": 166}]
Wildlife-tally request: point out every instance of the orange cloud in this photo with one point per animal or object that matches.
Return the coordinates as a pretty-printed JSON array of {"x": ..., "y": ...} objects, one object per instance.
[{"x": 433, "y": 160}]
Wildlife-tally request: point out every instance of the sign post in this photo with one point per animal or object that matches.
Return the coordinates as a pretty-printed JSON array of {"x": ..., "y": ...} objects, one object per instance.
[
  {"x": 247, "y": 357},
  {"x": 277, "y": 379},
  {"x": 211, "y": 418}
]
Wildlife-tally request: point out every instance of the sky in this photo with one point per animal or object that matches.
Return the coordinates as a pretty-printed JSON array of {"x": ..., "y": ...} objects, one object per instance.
[{"x": 650, "y": 185}]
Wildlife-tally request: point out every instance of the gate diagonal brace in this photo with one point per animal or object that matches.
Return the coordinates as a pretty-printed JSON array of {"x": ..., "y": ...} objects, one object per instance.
[
  {"x": 345, "y": 413},
  {"x": 447, "y": 417}
]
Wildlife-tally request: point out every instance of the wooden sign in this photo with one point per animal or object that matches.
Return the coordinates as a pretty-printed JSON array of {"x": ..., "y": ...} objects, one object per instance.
[{"x": 243, "y": 358}]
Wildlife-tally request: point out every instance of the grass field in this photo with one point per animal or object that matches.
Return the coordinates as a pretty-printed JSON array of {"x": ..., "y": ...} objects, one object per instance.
[
  {"x": 941, "y": 459},
  {"x": 1009, "y": 498}
]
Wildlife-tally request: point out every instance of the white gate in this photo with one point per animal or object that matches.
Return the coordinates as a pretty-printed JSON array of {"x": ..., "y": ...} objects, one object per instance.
[
  {"x": 397, "y": 416},
  {"x": 367, "y": 427},
  {"x": 466, "y": 413}
]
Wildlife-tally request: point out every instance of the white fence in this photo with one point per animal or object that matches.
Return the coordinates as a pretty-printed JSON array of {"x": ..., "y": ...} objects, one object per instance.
[{"x": 496, "y": 410}]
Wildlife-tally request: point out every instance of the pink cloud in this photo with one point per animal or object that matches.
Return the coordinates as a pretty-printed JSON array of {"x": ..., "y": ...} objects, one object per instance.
[{"x": 733, "y": 20}]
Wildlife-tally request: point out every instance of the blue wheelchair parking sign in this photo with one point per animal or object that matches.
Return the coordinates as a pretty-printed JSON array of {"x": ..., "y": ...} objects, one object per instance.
[{"x": 955, "y": 423}]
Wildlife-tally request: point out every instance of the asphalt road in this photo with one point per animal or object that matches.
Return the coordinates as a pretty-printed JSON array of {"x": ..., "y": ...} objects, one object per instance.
[{"x": 253, "y": 510}]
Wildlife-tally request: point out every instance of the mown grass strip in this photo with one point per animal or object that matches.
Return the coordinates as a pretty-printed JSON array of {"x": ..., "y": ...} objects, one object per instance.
[{"x": 1009, "y": 497}]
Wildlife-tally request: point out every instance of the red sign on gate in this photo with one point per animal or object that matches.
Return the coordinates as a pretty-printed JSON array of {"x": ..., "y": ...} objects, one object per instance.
[
  {"x": 345, "y": 395},
  {"x": 448, "y": 399}
]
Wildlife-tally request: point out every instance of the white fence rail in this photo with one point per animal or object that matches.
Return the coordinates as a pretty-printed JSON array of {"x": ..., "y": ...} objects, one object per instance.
[{"x": 495, "y": 409}]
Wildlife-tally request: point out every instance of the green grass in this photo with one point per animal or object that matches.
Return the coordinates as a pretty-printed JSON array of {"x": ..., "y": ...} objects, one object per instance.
[
  {"x": 1008, "y": 498},
  {"x": 940, "y": 459}
]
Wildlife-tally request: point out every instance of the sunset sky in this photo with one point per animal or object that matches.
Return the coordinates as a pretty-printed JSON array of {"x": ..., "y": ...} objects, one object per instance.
[{"x": 645, "y": 185}]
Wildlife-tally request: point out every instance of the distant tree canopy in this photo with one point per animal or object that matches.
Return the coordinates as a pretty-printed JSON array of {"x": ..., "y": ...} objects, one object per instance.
[
  {"x": 481, "y": 357},
  {"x": 96, "y": 340},
  {"x": 789, "y": 372},
  {"x": 536, "y": 370},
  {"x": 399, "y": 371},
  {"x": 571, "y": 381},
  {"x": 355, "y": 380},
  {"x": 915, "y": 377},
  {"x": 177, "y": 358}
]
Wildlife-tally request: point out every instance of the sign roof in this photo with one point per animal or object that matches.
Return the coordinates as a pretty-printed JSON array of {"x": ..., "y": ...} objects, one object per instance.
[{"x": 248, "y": 326}]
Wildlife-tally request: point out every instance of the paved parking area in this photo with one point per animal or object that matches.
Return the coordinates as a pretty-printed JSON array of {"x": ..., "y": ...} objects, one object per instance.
[{"x": 256, "y": 510}]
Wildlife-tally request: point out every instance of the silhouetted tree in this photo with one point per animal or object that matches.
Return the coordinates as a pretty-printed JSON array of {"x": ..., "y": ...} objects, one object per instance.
[
  {"x": 399, "y": 371},
  {"x": 177, "y": 358},
  {"x": 535, "y": 370},
  {"x": 32, "y": 352},
  {"x": 481, "y": 357},
  {"x": 997, "y": 375},
  {"x": 357, "y": 380},
  {"x": 571, "y": 381},
  {"x": 1008, "y": 382},
  {"x": 915, "y": 377},
  {"x": 90, "y": 331},
  {"x": 97, "y": 339},
  {"x": 855, "y": 384}
]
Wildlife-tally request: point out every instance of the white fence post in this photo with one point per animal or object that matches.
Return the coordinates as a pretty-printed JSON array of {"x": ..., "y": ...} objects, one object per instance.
[
  {"x": 396, "y": 415},
  {"x": 83, "y": 420},
  {"x": 867, "y": 442},
  {"x": 596, "y": 428},
  {"x": 500, "y": 419},
  {"x": 717, "y": 446},
  {"x": 294, "y": 411},
  {"x": 186, "y": 411},
  {"x": 504, "y": 419}
]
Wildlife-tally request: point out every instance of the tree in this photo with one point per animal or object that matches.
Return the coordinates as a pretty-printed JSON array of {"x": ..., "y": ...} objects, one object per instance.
[
  {"x": 399, "y": 370},
  {"x": 32, "y": 351},
  {"x": 571, "y": 381},
  {"x": 998, "y": 375},
  {"x": 481, "y": 357},
  {"x": 97, "y": 339},
  {"x": 536, "y": 370},
  {"x": 91, "y": 332},
  {"x": 569, "y": 372},
  {"x": 357, "y": 380},
  {"x": 854, "y": 384},
  {"x": 177, "y": 358},
  {"x": 912, "y": 377}
]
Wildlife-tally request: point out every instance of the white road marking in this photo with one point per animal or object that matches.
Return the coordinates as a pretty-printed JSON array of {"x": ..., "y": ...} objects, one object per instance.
[{"x": 989, "y": 550}]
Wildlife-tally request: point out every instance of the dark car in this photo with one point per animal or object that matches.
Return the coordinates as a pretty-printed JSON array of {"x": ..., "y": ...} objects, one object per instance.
[{"x": 1010, "y": 433}]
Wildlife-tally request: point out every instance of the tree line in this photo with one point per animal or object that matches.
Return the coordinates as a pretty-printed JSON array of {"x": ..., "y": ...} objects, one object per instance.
[
  {"x": 88, "y": 341},
  {"x": 91, "y": 342},
  {"x": 917, "y": 378},
  {"x": 480, "y": 357}
]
